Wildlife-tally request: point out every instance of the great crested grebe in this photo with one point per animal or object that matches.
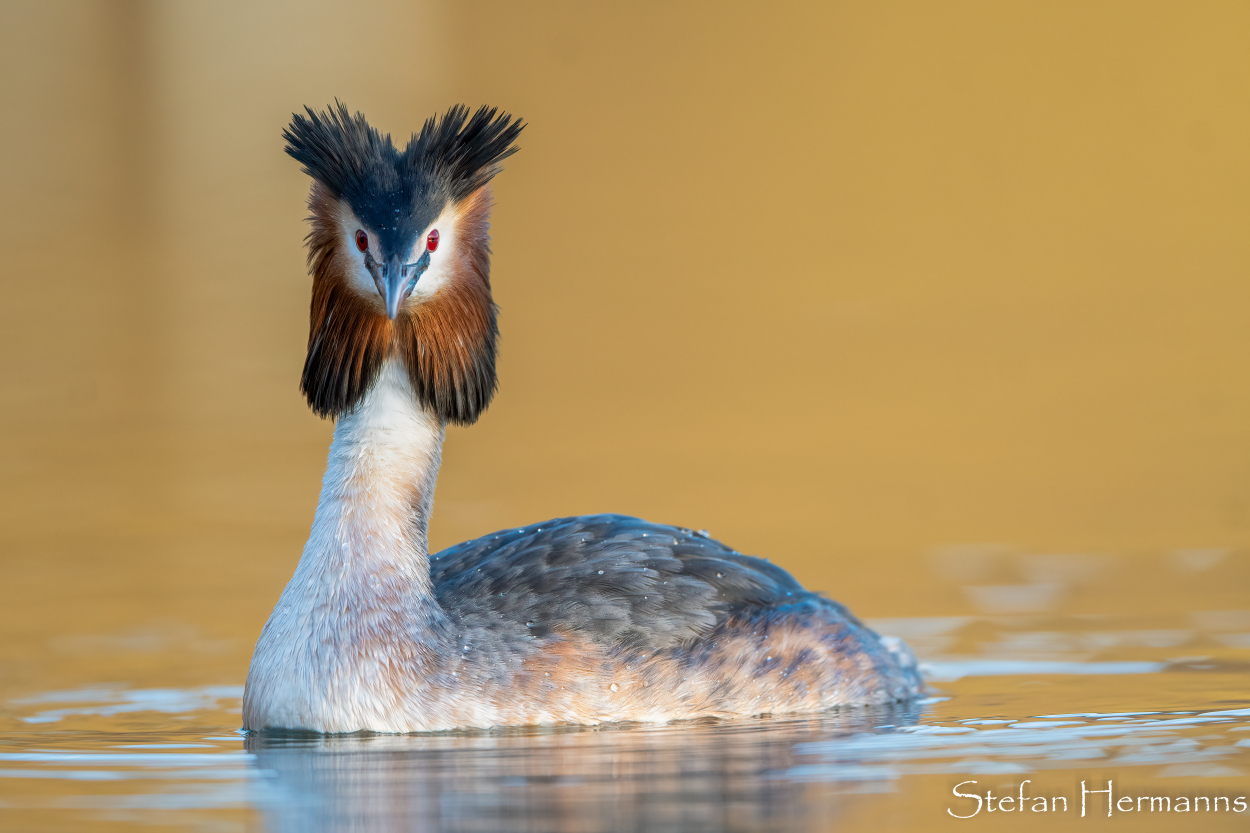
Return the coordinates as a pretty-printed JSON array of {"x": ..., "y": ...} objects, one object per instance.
[{"x": 577, "y": 620}]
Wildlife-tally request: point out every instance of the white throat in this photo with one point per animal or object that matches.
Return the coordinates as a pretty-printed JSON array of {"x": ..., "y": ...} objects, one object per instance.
[{"x": 378, "y": 488}]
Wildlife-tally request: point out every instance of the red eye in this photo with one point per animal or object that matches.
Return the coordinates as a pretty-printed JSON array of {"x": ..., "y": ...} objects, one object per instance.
[
  {"x": 431, "y": 242},
  {"x": 362, "y": 241}
]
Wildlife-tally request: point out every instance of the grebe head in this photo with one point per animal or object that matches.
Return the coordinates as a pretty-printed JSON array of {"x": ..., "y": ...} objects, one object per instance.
[{"x": 400, "y": 257}]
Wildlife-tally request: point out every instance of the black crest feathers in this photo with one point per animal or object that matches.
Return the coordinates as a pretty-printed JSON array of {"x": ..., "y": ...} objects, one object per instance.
[
  {"x": 464, "y": 152},
  {"x": 450, "y": 158}
]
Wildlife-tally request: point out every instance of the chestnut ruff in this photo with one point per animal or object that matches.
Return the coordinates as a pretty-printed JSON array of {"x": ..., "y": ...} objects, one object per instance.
[{"x": 447, "y": 342}]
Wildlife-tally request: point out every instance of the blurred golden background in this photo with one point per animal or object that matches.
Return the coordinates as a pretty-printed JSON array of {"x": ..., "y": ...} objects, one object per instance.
[{"x": 843, "y": 283}]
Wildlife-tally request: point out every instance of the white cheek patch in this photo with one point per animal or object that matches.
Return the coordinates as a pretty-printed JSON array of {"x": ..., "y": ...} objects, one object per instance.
[
  {"x": 361, "y": 279},
  {"x": 442, "y": 259}
]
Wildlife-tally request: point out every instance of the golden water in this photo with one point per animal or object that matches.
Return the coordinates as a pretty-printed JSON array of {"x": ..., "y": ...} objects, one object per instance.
[{"x": 942, "y": 307}]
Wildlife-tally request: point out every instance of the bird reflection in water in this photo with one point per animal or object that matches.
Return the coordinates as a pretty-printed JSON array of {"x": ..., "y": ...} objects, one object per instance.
[{"x": 696, "y": 776}]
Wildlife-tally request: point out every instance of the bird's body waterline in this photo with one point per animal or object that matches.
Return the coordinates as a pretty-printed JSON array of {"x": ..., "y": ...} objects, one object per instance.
[{"x": 584, "y": 620}]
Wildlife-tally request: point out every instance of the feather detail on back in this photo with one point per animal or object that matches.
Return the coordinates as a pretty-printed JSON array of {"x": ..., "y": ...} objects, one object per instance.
[{"x": 616, "y": 580}]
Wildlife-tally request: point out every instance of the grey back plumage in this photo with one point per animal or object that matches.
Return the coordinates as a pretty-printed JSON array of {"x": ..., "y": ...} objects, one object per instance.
[{"x": 618, "y": 580}]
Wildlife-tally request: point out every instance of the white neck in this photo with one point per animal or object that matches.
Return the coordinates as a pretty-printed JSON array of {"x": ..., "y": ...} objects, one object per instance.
[
  {"x": 360, "y": 604},
  {"x": 378, "y": 489}
]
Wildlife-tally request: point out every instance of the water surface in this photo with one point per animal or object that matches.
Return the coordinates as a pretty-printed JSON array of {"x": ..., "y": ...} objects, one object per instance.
[{"x": 1156, "y": 702}]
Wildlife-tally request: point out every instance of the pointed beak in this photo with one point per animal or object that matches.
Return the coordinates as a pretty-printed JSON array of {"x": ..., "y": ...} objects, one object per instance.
[{"x": 396, "y": 280}]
